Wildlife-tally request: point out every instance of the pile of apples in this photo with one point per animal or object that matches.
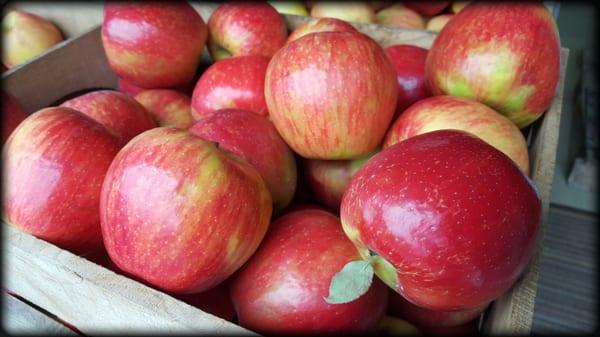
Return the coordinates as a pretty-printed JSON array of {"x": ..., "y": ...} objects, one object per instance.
[{"x": 314, "y": 182}]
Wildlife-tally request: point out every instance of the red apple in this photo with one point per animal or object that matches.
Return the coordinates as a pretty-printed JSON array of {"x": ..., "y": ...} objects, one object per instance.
[
  {"x": 446, "y": 220},
  {"x": 131, "y": 89},
  {"x": 240, "y": 29},
  {"x": 215, "y": 301},
  {"x": 447, "y": 112},
  {"x": 427, "y": 8},
  {"x": 331, "y": 95},
  {"x": 54, "y": 165},
  {"x": 281, "y": 290},
  {"x": 426, "y": 318},
  {"x": 168, "y": 107},
  {"x": 503, "y": 54},
  {"x": 119, "y": 113},
  {"x": 400, "y": 16},
  {"x": 223, "y": 86},
  {"x": 438, "y": 22},
  {"x": 328, "y": 178},
  {"x": 179, "y": 213},
  {"x": 12, "y": 115},
  {"x": 26, "y": 35},
  {"x": 353, "y": 11},
  {"x": 153, "y": 44},
  {"x": 320, "y": 25},
  {"x": 255, "y": 139},
  {"x": 409, "y": 62},
  {"x": 380, "y": 4}
]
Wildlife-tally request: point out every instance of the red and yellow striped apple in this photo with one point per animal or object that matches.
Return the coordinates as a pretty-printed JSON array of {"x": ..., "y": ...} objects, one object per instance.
[
  {"x": 331, "y": 95},
  {"x": 12, "y": 115},
  {"x": 505, "y": 55},
  {"x": 320, "y": 25},
  {"x": 351, "y": 11},
  {"x": 168, "y": 107},
  {"x": 179, "y": 213}
]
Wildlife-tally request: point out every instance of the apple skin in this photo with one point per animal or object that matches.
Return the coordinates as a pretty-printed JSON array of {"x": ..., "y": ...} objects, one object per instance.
[
  {"x": 505, "y": 55},
  {"x": 331, "y": 95},
  {"x": 255, "y": 139},
  {"x": 400, "y": 16},
  {"x": 26, "y": 35},
  {"x": 281, "y": 290},
  {"x": 131, "y": 89},
  {"x": 179, "y": 213},
  {"x": 432, "y": 212},
  {"x": 222, "y": 87},
  {"x": 430, "y": 319},
  {"x": 353, "y": 11},
  {"x": 168, "y": 107},
  {"x": 119, "y": 113},
  {"x": 409, "y": 62},
  {"x": 54, "y": 165},
  {"x": 438, "y": 22},
  {"x": 447, "y": 112},
  {"x": 320, "y": 25},
  {"x": 328, "y": 178},
  {"x": 242, "y": 29},
  {"x": 153, "y": 44},
  {"x": 427, "y": 8},
  {"x": 290, "y": 7},
  {"x": 458, "y": 6},
  {"x": 12, "y": 115}
]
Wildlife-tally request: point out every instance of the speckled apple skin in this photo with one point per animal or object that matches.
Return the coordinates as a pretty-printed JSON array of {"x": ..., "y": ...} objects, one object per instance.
[
  {"x": 320, "y": 25},
  {"x": 168, "y": 107}
]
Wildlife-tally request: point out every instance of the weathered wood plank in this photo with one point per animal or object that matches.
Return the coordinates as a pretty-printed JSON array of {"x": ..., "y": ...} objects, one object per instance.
[{"x": 20, "y": 318}]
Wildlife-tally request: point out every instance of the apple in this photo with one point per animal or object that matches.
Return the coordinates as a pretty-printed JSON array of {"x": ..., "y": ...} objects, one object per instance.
[
  {"x": 168, "y": 107},
  {"x": 445, "y": 219},
  {"x": 121, "y": 114},
  {"x": 447, "y": 112},
  {"x": 26, "y": 35},
  {"x": 400, "y": 16},
  {"x": 328, "y": 178},
  {"x": 503, "y": 54},
  {"x": 331, "y": 95},
  {"x": 131, "y": 89},
  {"x": 153, "y": 44},
  {"x": 235, "y": 82},
  {"x": 380, "y": 4},
  {"x": 409, "y": 62},
  {"x": 53, "y": 167},
  {"x": 215, "y": 301},
  {"x": 242, "y": 29},
  {"x": 282, "y": 289},
  {"x": 179, "y": 213},
  {"x": 290, "y": 7},
  {"x": 427, "y": 8},
  {"x": 12, "y": 115},
  {"x": 430, "y": 319},
  {"x": 457, "y": 6},
  {"x": 320, "y": 25},
  {"x": 255, "y": 139},
  {"x": 352, "y": 11},
  {"x": 438, "y": 22}
]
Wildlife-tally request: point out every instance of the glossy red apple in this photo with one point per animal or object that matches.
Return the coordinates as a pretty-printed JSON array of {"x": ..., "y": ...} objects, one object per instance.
[
  {"x": 12, "y": 115},
  {"x": 153, "y": 44},
  {"x": 281, "y": 290},
  {"x": 168, "y": 107},
  {"x": 54, "y": 164},
  {"x": 447, "y": 112},
  {"x": 222, "y": 86},
  {"x": 320, "y": 25},
  {"x": 331, "y": 95},
  {"x": 409, "y": 62},
  {"x": 400, "y": 16},
  {"x": 351, "y": 11},
  {"x": 119, "y": 113},
  {"x": 179, "y": 213},
  {"x": 255, "y": 139},
  {"x": 215, "y": 301},
  {"x": 427, "y": 8},
  {"x": 245, "y": 28},
  {"x": 446, "y": 220},
  {"x": 503, "y": 54}
]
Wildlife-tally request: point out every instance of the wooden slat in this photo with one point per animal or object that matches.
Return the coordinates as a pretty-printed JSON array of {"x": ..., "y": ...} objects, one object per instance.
[{"x": 19, "y": 318}]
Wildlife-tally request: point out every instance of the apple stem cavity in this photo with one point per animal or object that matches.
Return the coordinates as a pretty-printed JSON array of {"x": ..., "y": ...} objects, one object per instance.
[{"x": 350, "y": 283}]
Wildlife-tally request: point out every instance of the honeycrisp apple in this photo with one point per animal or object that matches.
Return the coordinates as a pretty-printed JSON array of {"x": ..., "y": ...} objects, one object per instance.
[
  {"x": 432, "y": 218},
  {"x": 320, "y": 25},
  {"x": 54, "y": 164},
  {"x": 26, "y": 35},
  {"x": 12, "y": 115},
  {"x": 168, "y": 107},
  {"x": 352, "y": 11},
  {"x": 331, "y": 95},
  {"x": 240, "y": 29},
  {"x": 223, "y": 86},
  {"x": 153, "y": 44},
  {"x": 400, "y": 16},
  {"x": 503, "y": 54}
]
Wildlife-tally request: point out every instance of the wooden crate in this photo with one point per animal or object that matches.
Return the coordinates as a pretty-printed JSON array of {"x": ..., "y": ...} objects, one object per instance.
[{"x": 97, "y": 300}]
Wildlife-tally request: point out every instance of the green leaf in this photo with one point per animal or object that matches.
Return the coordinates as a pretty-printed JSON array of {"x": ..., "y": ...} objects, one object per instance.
[{"x": 350, "y": 283}]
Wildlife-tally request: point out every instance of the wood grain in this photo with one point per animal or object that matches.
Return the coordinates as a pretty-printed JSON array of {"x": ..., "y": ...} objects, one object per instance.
[{"x": 20, "y": 318}]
